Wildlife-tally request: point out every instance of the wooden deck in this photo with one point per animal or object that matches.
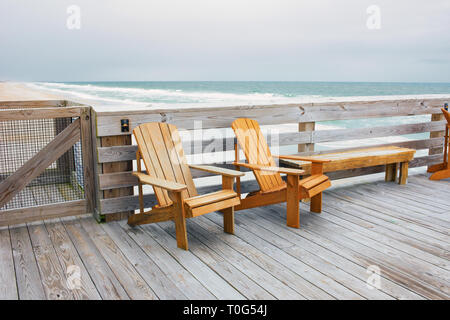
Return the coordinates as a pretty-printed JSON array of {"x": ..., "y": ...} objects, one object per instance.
[{"x": 404, "y": 230}]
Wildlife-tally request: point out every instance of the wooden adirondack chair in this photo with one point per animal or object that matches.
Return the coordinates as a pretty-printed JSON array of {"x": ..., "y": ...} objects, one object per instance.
[
  {"x": 272, "y": 187},
  {"x": 159, "y": 145},
  {"x": 442, "y": 170}
]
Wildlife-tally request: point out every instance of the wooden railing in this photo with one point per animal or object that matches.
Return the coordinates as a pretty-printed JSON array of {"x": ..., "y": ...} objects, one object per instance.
[{"x": 115, "y": 151}]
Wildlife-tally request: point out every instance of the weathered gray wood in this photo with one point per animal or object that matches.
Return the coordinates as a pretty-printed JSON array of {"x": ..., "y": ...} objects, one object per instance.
[
  {"x": 184, "y": 280},
  {"x": 162, "y": 284},
  {"x": 207, "y": 277},
  {"x": 50, "y": 211},
  {"x": 34, "y": 104},
  {"x": 124, "y": 271},
  {"x": 309, "y": 267},
  {"x": 432, "y": 276},
  {"x": 391, "y": 228},
  {"x": 233, "y": 275},
  {"x": 373, "y": 214},
  {"x": 356, "y": 133},
  {"x": 389, "y": 264},
  {"x": 279, "y": 281},
  {"x": 53, "y": 278},
  {"x": 40, "y": 113},
  {"x": 353, "y": 255},
  {"x": 106, "y": 282},
  {"x": 27, "y": 274},
  {"x": 439, "y": 132},
  {"x": 399, "y": 211},
  {"x": 69, "y": 259},
  {"x": 97, "y": 167},
  {"x": 8, "y": 287},
  {"x": 109, "y": 122},
  {"x": 87, "y": 152},
  {"x": 402, "y": 246},
  {"x": 262, "y": 225},
  {"x": 359, "y": 227}
]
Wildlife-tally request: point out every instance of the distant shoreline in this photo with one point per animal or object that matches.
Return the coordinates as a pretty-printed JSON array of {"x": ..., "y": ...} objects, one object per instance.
[{"x": 10, "y": 91}]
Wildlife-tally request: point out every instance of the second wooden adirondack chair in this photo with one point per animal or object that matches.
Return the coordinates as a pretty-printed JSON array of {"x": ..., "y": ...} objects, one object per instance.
[
  {"x": 159, "y": 146},
  {"x": 272, "y": 187},
  {"x": 442, "y": 170}
]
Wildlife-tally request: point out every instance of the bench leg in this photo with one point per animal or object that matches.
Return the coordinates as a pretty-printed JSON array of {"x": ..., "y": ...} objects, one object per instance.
[
  {"x": 316, "y": 203},
  {"x": 391, "y": 172},
  {"x": 403, "y": 172},
  {"x": 293, "y": 202}
]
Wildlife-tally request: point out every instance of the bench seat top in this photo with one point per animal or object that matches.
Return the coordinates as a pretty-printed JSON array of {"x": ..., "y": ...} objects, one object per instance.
[{"x": 357, "y": 158}]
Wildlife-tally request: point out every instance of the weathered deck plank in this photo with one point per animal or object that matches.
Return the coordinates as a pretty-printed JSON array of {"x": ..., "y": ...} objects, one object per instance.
[
  {"x": 162, "y": 285},
  {"x": 106, "y": 282},
  {"x": 282, "y": 278},
  {"x": 8, "y": 287},
  {"x": 361, "y": 226},
  {"x": 232, "y": 274},
  {"x": 27, "y": 274},
  {"x": 52, "y": 276},
  {"x": 324, "y": 249},
  {"x": 434, "y": 279},
  {"x": 125, "y": 272},
  {"x": 184, "y": 280},
  {"x": 403, "y": 230},
  {"x": 205, "y": 275},
  {"x": 71, "y": 262},
  {"x": 313, "y": 265},
  {"x": 359, "y": 253},
  {"x": 395, "y": 228}
]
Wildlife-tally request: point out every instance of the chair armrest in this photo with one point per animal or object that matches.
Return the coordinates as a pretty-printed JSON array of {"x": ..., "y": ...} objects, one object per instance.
[
  {"x": 161, "y": 183},
  {"x": 288, "y": 171},
  {"x": 221, "y": 171},
  {"x": 303, "y": 159}
]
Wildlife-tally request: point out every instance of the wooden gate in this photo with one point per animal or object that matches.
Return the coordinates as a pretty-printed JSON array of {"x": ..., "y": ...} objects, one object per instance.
[{"x": 57, "y": 179}]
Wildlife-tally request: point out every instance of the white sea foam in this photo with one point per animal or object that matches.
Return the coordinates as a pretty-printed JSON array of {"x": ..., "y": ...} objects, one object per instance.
[
  {"x": 159, "y": 98},
  {"x": 82, "y": 93}
]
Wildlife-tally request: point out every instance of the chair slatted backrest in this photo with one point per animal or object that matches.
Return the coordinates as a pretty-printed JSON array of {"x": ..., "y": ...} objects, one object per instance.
[
  {"x": 161, "y": 150},
  {"x": 447, "y": 115},
  {"x": 256, "y": 150}
]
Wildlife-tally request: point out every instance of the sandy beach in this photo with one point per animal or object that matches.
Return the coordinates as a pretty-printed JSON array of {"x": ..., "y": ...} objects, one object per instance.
[{"x": 18, "y": 91}]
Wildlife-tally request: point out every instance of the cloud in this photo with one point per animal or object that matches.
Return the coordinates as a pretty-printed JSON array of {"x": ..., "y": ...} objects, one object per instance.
[{"x": 225, "y": 40}]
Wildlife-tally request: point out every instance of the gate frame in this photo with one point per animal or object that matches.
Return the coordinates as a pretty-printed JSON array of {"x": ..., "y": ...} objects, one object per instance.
[{"x": 51, "y": 109}]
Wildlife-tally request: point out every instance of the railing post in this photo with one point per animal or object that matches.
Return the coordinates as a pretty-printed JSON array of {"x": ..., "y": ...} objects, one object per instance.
[
  {"x": 437, "y": 134},
  {"x": 88, "y": 159},
  {"x": 302, "y": 127},
  {"x": 119, "y": 166}
]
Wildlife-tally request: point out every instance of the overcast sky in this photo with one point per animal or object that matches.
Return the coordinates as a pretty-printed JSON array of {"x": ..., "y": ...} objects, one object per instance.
[{"x": 307, "y": 40}]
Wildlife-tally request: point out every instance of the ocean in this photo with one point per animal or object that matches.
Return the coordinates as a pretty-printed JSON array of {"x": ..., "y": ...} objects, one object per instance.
[
  {"x": 160, "y": 95},
  {"x": 225, "y": 93}
]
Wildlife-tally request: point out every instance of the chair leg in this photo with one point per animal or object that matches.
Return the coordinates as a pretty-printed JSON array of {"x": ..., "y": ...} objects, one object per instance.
[
  {"x": 228, "y": 220},
  {"x": 316, "y": 203},
  {"x": 180, "y": 231},
  {"x": 180, "y": 221},
  {"x": 293, "y": 202}
]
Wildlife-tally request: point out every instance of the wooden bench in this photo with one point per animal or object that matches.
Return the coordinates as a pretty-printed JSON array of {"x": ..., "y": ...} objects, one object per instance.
[{"x": 393, "y": 158}]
